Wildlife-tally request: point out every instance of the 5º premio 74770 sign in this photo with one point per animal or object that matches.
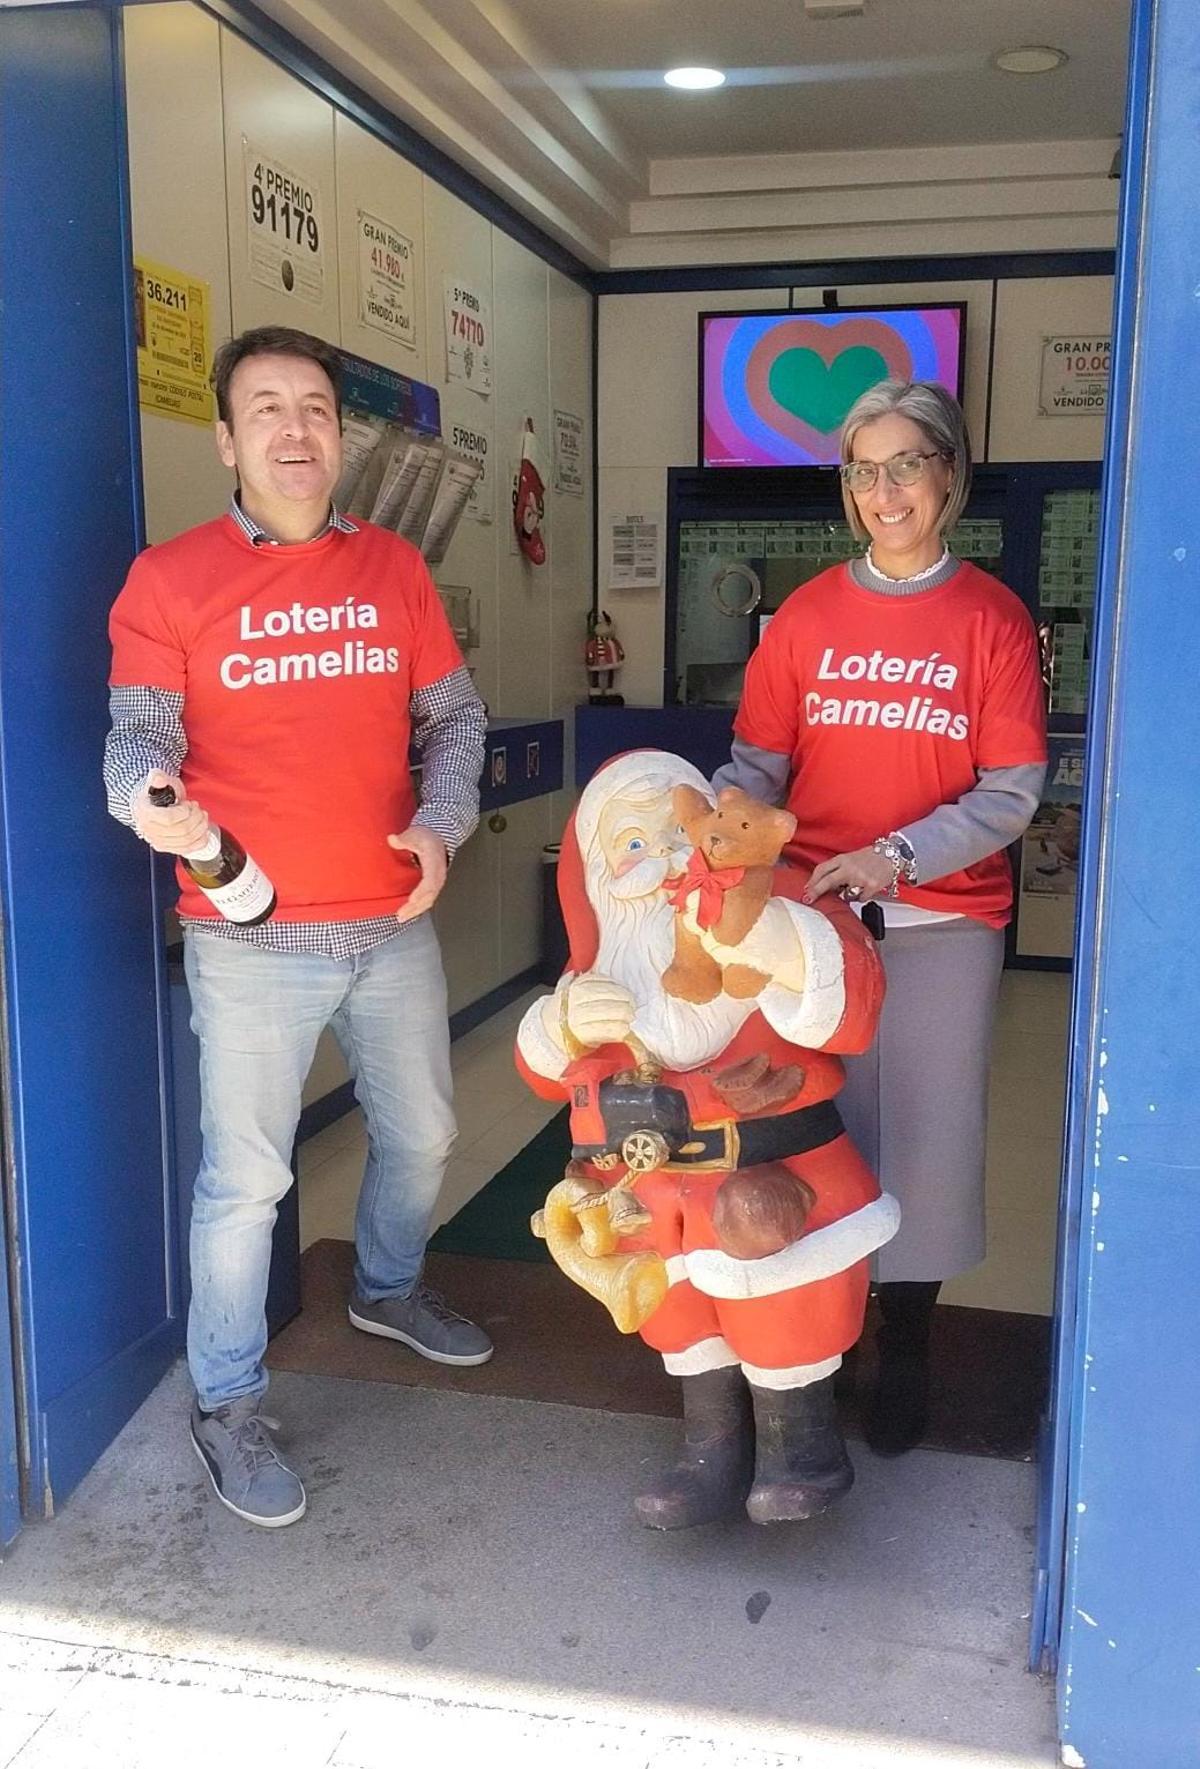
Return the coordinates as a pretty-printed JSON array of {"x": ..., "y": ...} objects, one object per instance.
[
  {"x": 174, "y": 346},
  {"x": 284, "y": 228},
  {"x": 468, "y": 335}
]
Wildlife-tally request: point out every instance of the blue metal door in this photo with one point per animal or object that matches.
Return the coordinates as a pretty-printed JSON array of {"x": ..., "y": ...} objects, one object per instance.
[
  {"x": 10, "y": 1456},
  {"x": 90, "y": 1203},
  {"x": 1121, "y": 1522}
]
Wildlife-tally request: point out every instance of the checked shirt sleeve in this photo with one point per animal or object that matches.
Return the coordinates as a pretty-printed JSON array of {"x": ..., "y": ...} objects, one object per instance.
[
  {"x": 448, "y": 728},
  {"x": 147, "y": 732}
]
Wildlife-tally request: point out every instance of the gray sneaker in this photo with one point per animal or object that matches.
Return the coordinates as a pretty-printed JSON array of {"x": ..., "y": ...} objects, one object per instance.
[
  {"x": 424, "y": 1322},
  {"x": 246, "y": 1473}
]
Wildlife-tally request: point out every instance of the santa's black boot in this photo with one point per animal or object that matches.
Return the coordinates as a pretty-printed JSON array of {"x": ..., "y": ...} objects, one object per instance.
[
  {"x": 713, "y": 1475},
  {"x": 801, "y": 1467},
  {"x": 898, "y": 1412}
]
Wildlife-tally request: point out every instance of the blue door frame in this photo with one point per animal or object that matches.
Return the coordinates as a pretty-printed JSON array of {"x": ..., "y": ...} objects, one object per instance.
[
  {"x": 91, "y": 1193},
  {"x": 90, "y": 1205},
  {"x": 1123, "y": 1515}
]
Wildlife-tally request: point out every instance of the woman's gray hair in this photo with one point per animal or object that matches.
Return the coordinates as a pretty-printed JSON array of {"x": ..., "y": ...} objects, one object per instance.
[{"x": 934, "y": 411}]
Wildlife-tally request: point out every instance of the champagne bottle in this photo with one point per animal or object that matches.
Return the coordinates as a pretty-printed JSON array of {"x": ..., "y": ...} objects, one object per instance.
[{"x": 233, "y": 882}]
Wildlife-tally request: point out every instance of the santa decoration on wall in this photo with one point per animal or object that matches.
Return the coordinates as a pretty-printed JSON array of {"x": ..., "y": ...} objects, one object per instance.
[
  {"x": 603, "y": 657},
  {"x": 713, "y": 1202},
  {"x": 529, "y": 498}
]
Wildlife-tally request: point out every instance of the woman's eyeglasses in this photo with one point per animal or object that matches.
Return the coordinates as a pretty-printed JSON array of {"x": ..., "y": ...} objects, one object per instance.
[{"x": 901, "y": 469}]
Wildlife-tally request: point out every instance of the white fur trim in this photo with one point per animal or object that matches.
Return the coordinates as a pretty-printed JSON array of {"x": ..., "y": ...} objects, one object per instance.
[
  {"x": 773, "y": 945},
  {"x": 676, "y": 1269},
  {"x": 798, "y": 1376},
  {"x": 709, "y": 1354},
  {"x": 819, "y": 1255},
  {"x": 536, "y": 1045},
  {"x": 812, "y": 1017}
]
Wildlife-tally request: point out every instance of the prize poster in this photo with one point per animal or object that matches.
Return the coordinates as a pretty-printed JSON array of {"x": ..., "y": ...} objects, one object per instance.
[
  {"x": 386, "y": 276},
  {"x": 467, "y": 429},
  {"x": 174, "y": 343},
  {"x": 1075, "y": 374},
  {"x": 568, "y": 453},
  {"x": 468, "y": 336},
  {"x": 285, "y": 233}
]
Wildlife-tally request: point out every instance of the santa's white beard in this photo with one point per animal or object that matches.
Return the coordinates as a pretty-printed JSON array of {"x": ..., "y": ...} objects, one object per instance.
[
  {"x": 641, "y": 880},
  {"x": 637, "y": 943}
]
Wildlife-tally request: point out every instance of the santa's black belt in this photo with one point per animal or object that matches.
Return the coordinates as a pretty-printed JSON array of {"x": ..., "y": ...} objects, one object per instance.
[{"x": 750, "y": 1141}]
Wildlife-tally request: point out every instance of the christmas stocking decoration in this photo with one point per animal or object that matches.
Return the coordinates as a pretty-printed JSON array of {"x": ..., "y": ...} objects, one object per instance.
[{"x": 529, "y": 498}]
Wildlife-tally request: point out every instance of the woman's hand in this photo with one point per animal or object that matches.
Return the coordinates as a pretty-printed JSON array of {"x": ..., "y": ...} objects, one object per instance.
[{"x": 859, "y": 876}]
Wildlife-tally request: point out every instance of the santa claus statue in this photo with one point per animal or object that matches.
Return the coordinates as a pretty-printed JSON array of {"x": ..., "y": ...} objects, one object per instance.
[{"x": 713, "y": 1201}]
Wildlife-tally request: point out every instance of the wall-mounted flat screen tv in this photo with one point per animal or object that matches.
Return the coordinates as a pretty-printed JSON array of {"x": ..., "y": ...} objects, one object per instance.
[{"x": 775, "y": 387}]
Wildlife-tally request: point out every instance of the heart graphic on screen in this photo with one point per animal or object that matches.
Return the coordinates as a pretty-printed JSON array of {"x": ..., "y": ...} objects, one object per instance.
[
  {"x": 803, "y": 375},
  {"x": 821, "y": 393}
]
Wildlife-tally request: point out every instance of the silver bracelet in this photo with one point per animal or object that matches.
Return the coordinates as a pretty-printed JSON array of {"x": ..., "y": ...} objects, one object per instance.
[{"x": 898, "y": 850}]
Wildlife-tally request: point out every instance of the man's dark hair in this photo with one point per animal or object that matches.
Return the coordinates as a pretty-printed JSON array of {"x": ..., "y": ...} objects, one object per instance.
[{"x": 273, "y": 341}]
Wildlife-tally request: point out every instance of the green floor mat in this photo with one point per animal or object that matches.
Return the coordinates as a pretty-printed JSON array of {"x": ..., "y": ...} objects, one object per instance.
[{"x": 495, "y": 1224}]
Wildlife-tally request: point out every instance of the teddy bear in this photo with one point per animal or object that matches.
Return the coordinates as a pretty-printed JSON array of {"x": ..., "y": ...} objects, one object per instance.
[{"x": 724, "y": 890}]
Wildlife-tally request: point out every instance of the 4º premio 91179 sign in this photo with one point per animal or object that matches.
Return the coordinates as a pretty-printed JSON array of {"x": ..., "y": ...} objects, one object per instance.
[{"x": 284, "y": 227}]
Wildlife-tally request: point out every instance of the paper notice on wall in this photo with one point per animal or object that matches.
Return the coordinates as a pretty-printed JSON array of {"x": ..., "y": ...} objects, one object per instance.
[
  {"x": 283, "y": 221},
  {"x": 450, "y": 501},
  {"x": 468, "y": 429},
  {"x": 1075, "y": 373},
  {"x": 412, "y": 519},
  {"x": 634, "y": 553},
  {"x": 468, "y": 335},
  {"x": 387, "y": 272},
  {"x": 361, "y": 436},
  {"x": 398, "y": 482},
  {"x": 174, "y": 342},
  {"x": 568, "y": 453}
]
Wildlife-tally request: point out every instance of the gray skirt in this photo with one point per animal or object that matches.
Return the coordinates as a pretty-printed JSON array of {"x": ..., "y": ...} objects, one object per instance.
[{"x": 916, "y": 1103}]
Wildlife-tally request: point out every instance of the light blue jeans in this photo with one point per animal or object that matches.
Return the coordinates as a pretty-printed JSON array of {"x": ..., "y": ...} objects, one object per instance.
[{"x": 258, "y": 1016}]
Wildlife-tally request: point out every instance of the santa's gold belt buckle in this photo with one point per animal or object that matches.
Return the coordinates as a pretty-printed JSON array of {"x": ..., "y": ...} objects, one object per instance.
[{"x": 714, "y": 1148}]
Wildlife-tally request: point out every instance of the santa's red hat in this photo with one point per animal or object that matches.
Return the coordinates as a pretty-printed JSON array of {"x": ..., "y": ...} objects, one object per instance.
[{"x": 640, "y": 775}]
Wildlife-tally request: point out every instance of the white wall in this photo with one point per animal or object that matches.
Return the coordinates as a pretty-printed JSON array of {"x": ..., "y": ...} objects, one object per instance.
[
  {"x": 181, "y": 221},
  {"x": 647, "y": 395},
  {"x": 1027, "y": 312},
  {"x": 646, "y": 422},
  {"x": 197, "y": 95}
]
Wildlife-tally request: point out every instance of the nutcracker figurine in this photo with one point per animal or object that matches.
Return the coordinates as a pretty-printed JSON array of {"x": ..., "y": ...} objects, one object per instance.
[{"x": 603, "y": 657}]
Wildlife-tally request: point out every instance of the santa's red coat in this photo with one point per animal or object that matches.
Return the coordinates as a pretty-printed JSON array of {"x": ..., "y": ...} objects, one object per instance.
[{"x": 802, "y": 1325}]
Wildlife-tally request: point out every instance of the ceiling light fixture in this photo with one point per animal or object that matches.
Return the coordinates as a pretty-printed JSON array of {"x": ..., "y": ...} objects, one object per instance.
[
  {"x": 694, "y": 79},
  {"x": 1033, "y": 58}
]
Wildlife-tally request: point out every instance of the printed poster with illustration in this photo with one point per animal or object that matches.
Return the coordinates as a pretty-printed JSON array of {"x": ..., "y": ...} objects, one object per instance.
[
  {"x": 171, "y": 310},
  {"x": 1050, "y": 856}
]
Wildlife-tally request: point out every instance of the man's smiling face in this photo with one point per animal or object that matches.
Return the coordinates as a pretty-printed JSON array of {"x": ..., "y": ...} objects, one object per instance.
[{"x": 283, "y": 437}]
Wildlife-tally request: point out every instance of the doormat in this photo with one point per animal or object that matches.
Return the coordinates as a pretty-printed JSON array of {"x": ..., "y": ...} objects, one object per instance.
[
  {"x": 494, "y": 1224},
  {"x": 555, "y": 1343}
]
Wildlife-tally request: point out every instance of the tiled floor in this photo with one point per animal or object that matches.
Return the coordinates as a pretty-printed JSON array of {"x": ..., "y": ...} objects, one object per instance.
[{"x": 498, "y": 1115}]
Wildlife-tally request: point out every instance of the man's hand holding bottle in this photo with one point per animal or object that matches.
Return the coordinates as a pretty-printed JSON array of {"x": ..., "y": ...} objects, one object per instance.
[
  {"x": 180, "y": 827},
  {"x": 235, "y": 885}
]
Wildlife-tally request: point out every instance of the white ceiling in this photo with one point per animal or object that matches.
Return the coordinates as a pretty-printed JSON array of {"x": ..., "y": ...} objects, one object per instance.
[{"x": 831, "y": 137}]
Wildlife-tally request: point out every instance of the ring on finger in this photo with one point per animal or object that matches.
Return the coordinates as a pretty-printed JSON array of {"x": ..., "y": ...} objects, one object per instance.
[{"x": 852, "y": 893}]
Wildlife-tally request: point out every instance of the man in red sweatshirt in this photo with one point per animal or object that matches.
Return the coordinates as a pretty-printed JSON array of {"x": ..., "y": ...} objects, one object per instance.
[{"x": 273, "y": 667}]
